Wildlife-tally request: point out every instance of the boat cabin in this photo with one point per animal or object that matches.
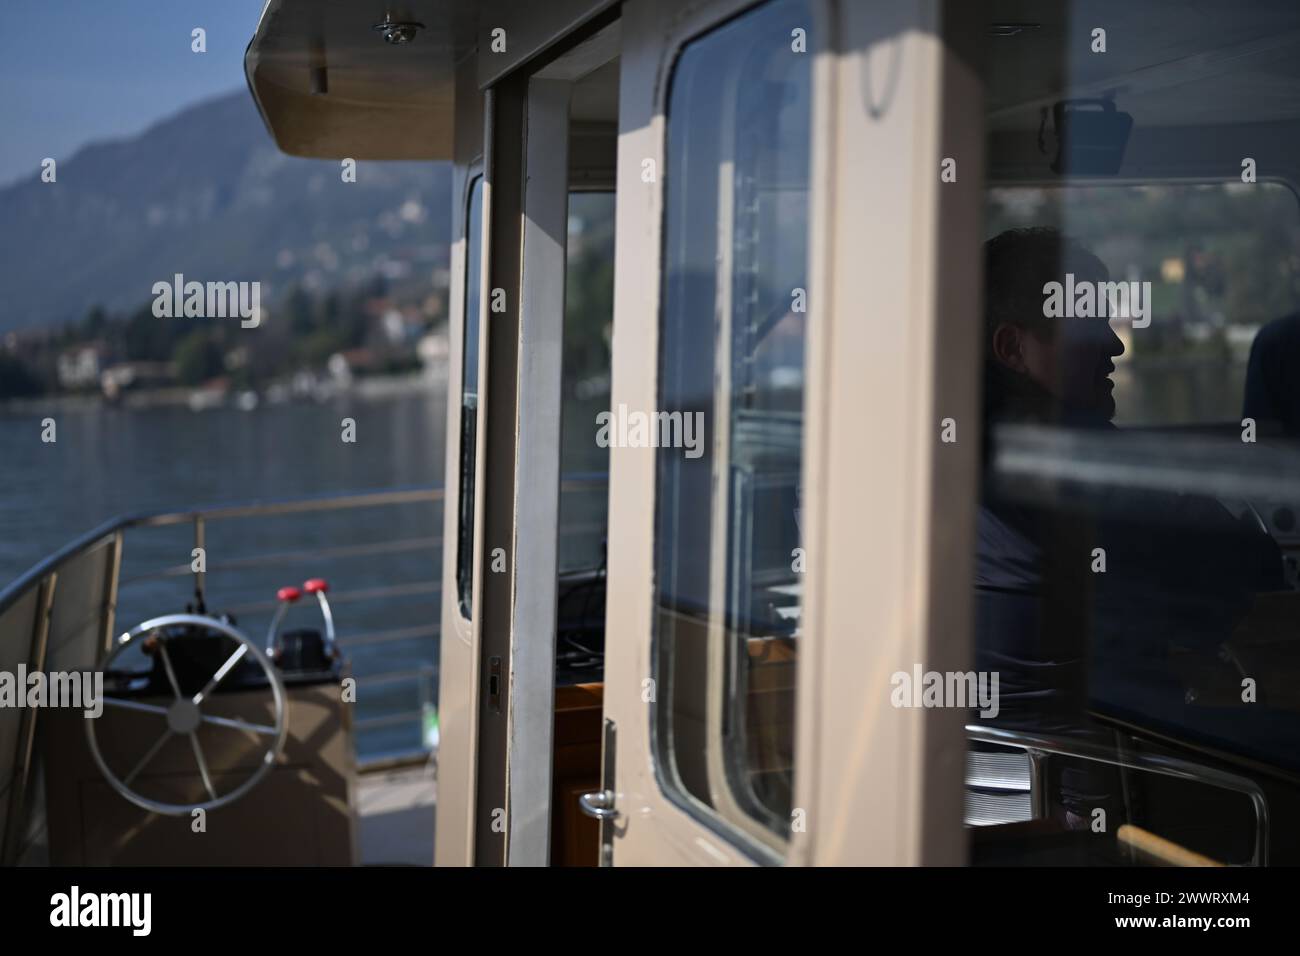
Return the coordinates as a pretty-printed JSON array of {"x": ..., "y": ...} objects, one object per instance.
[{"x": 786, "y": 520}]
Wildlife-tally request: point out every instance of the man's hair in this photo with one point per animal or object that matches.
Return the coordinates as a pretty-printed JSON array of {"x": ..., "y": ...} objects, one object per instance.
[{"x": 1017, "y": 264}]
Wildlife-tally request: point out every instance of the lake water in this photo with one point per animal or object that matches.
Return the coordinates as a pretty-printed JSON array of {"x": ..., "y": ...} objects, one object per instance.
[{"x": 109, "y": 461}]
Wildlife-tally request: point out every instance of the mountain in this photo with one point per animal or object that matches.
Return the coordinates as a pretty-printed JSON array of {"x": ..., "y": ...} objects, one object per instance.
[{"x": 206, "y": 194}]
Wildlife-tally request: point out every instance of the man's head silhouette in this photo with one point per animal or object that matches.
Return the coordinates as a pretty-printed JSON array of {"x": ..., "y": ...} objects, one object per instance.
[{"x": 1068, "y": 358}]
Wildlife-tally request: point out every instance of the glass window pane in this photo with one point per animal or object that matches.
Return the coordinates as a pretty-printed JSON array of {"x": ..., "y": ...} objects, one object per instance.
[
  {"x": 469, "y": 395},
  {"x": 1136, "y": 547},
  {"x": 732, "y": 360}
]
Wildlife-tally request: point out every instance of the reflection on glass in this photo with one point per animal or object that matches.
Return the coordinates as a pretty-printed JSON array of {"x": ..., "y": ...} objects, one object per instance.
[
  {"x": 1223, "y": 260},
  {"x": 732, "y": 349},
  {"x": 1135, "y": 587}
]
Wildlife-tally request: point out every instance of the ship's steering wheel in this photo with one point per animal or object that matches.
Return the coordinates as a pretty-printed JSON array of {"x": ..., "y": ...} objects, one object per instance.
[{"x": 184, "y": 715}]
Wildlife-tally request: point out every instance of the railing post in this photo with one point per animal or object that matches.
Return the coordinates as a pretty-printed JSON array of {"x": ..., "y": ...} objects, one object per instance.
[{"x": 199, "y": 572}]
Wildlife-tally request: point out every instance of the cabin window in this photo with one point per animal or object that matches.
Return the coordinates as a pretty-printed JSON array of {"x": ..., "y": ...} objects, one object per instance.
[
  {"x": 469, "y": 395},
  {"x": 730, "y": 419},
  {"x": 1135, "y": 571}
]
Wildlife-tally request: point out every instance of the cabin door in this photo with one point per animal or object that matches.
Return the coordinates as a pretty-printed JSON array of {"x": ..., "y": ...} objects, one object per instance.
[{"x": 775, "y": 471}]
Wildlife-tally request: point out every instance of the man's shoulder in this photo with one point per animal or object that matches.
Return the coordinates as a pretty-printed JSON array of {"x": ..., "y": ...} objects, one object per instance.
[{"x": 1007, "y": 556}]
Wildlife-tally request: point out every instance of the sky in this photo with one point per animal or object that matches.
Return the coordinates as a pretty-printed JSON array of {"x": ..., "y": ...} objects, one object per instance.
[{"x": 74, "y": 72}]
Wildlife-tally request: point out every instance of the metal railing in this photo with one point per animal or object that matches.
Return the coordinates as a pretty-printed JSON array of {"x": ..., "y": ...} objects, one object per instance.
[{"x": 199, "y": 518}]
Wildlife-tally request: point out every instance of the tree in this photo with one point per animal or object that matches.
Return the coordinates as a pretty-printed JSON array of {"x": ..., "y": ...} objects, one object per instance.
[
  {"x": 16, "y": 379},
  {"x": 198, "y": 358}
]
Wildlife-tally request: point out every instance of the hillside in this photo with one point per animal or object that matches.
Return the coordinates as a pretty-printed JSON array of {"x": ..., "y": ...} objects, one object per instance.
[{"x": 205, "y": 193}]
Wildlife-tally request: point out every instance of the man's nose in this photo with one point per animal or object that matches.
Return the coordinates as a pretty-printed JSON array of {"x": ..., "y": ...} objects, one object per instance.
[{"x": 1114, "y": 345}]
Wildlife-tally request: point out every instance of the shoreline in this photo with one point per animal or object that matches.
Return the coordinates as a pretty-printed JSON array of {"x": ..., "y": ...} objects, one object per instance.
[{"x": 203, "y": 399}]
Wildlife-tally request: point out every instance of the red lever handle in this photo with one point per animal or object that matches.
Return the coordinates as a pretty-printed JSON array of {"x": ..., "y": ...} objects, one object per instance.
[
  {"x": 289, "y": 595},
  {"x": 316, "y": 585}
]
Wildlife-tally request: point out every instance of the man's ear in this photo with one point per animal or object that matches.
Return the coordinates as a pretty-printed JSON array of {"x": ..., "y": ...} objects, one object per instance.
[{"x": 1008, "y": 346}]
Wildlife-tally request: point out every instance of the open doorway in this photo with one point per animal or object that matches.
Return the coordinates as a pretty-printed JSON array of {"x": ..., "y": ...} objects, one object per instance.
[{"x": 584, "y": 462}]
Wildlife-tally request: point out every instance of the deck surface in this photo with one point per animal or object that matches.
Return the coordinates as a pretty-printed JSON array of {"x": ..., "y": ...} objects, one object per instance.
[{"x": 395, "y": 816}]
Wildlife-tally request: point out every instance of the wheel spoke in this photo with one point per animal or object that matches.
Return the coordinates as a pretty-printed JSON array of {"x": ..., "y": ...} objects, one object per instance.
[
  {"x": 203, "y": 766},
  {"x": 239, "y": 724},
  {"x": 134, "y": 705},
  {"x": 149, "y": 755},
  {"x": 222, "y": 671},
  {"x": 167, "y": 663}
]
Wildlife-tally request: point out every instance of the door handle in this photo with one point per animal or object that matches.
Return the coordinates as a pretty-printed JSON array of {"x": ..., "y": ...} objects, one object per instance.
[{"x": 598, "y": 804}]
